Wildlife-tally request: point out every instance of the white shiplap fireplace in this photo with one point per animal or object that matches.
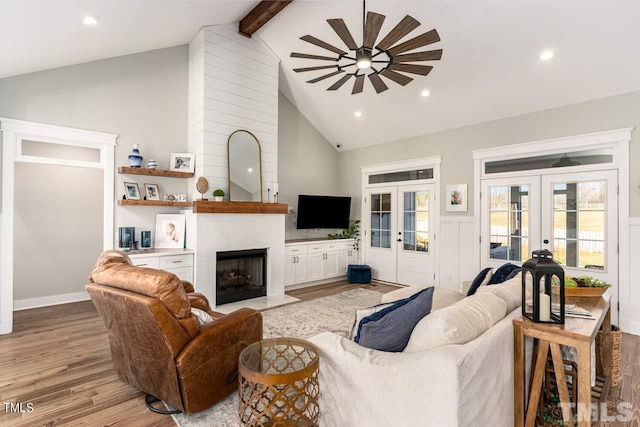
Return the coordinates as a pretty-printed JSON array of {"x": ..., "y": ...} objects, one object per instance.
[{"x": 233, "y": 85}]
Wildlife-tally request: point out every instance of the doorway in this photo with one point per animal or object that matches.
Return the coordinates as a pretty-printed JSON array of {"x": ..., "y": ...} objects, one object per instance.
[
  {"x": 399, "y": 233},
  {"x": 569, "y": 196}
]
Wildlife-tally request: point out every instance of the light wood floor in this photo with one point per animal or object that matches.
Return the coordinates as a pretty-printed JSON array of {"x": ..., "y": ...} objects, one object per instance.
[{"x": 58, "y": 359}]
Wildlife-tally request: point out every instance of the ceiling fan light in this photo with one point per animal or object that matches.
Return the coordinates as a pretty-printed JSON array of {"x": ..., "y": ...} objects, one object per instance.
[{"x": 363, "y": 58}]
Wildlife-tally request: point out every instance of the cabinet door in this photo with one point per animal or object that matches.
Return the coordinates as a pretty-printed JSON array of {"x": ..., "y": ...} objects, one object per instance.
[
  {"x": 314, "y": 268},
  {"x": 301, "y": 269},
  {"x": 343, "y": 261},
  {"x": 290, "y": 270},
  {"x": 183, "y": 273},
  {"x": 331, "y": 263},
  {"x": 352, "y": 256}
]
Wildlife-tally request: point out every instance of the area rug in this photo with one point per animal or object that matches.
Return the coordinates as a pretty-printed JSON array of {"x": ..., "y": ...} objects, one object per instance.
[{"x": 334, "y": 313}]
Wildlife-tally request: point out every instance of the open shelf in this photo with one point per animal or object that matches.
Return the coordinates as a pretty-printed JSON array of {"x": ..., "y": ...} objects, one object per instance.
[
  {"x": 154, "y": 172},
  {"x": 122, "y": 202}
]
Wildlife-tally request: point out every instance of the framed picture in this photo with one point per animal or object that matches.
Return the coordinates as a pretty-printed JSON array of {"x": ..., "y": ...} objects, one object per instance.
[
  {"x": 183, "y": 162},
  {"x": 152, "y": 191},
  {"x": 456, "y": 198},
  {"x": 125, "y": 236},
  {"x": 170, "y": 230},
  {"x": 131, "y": 191}
]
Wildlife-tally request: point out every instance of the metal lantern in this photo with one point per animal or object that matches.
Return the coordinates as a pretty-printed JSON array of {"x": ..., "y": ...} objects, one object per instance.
[{"x": 543, "y": 305}]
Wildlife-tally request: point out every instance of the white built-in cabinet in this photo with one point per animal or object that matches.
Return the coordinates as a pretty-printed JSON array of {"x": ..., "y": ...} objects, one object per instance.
[
  {"x": 176, "y": 261},
  {"x": 311, "y": 261}
]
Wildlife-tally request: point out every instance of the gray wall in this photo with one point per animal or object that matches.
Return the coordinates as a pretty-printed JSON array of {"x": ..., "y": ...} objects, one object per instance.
[
  {"x": 141, "y": 97},
  {"x": 58, "y": 228},
  {"x": 455, "y": 145},
  {"x": 307, "y": 164}
]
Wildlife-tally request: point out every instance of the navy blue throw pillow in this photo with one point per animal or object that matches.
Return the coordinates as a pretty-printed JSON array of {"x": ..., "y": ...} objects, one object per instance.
[
  {"x": 390, "y": 328},
  {"x": 513, "y": 273},
  {"x": 478, "y": 281},
  {"x": 501, "y": 274}
]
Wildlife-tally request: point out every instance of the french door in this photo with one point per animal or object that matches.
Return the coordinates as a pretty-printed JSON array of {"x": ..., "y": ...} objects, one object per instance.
[
  {"x": 399, "y": 237},
  {"x": 574, "y": 215}
]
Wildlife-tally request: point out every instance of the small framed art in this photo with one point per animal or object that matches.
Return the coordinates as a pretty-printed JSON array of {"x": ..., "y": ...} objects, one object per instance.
[
  {"x": 170, "y": 231},
  {"x": 153, "y": 193},
  {"x": 456, "y": 198},
  {"x": 131, "y": 191},
  {"x": 182, "y": 162}
]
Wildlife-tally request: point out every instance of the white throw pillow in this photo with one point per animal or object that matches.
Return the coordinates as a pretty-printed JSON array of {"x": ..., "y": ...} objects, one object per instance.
[
  {"x": 487, "y": 277},
  {"x": 203, "y": 316},
  {"x": 460, "y": 323},
  {"x": 442, "y": 297},
  {"x": 509, "y": 291}
]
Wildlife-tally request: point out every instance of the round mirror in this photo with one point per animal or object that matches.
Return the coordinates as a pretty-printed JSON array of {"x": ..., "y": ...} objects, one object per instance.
[{"x": 245, "y": 167}]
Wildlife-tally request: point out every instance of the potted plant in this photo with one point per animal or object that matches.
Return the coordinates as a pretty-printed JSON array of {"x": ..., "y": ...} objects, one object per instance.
[
  {"x": 353, "y": 232},
  {"x": 218, "y": 195}
]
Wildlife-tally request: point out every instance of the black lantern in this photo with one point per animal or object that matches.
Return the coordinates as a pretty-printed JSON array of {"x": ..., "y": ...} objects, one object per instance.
[{"x": 543, "y": 305}]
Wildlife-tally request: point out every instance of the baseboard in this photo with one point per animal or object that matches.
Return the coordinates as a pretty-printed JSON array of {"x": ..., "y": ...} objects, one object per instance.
[
  {"x": 634, "y": 328},
  {"x": 317, "y": 282},
  {"x": 25, "y": 304}
]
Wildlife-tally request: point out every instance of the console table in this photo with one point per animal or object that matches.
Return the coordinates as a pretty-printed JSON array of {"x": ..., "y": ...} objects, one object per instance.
[{"x": 578, "y": 333}]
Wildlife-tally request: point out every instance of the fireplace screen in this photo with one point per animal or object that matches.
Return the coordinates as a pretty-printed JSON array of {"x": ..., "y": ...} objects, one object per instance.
[{"x": 240, "y": 275}]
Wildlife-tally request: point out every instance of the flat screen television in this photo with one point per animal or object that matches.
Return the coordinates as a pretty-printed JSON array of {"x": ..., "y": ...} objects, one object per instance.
[{"x": 323, "y": 211}]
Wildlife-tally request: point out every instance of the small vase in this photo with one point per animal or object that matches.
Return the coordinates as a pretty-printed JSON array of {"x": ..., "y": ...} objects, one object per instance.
[
  {"x": 152, "y": 164},
  {"x": 135, "y": 159},
  {"x": 218, "y": 198}
]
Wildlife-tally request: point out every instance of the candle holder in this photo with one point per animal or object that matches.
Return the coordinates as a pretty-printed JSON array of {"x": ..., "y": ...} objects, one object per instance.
[{"x": 544, "y": 306}]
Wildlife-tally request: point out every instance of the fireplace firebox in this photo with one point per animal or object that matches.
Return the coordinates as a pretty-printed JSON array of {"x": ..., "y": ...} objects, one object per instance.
[{"x": 240, "y": 275}]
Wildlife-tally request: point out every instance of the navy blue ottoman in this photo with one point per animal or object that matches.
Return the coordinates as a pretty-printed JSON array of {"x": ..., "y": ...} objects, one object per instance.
[{"x": 359, "y": 273}]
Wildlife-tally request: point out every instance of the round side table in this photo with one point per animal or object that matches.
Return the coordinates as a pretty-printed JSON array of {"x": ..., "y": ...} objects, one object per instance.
[{"x": 279, "y": 383}]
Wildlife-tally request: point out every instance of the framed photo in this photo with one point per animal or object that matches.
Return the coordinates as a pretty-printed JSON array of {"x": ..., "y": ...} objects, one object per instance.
[
  {"x": 170, "y": 230},
  {"x": 183, "y": 162},
  {"x": 456, "y": 198},
  {"x": 125, "y": 236},
  {"x": 153, "y": 193},
  {"x": 131, "y": 191}
]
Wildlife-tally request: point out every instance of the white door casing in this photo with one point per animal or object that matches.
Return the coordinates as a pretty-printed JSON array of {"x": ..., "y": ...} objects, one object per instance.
[{"x": 14, "y": 132}]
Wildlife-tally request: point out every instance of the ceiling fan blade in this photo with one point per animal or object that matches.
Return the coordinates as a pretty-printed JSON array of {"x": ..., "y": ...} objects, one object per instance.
[
  {"x": 358, "y": 86},
  {"x": 324, "y": 45},
  {"x": 423, "y": 70},
  {"x": 429, "y": 55},
  {"x": 340, "y": 82},
  {"x": 372, "y": 29},
  {"x": 401, "y": 79},
  {"x": 326, "y": 76},
  {"x": 307, "y": 56},
  {"x": 377, "y": 83},
  {"x": 342, "y": 31},
  {"x": 416, "y": 42},
  {"x": 403, "y": 28},
  {"x": 321, "y": 67}
]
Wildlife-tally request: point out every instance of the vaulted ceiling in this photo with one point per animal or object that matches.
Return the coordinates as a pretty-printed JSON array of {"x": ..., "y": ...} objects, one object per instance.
[{"x": 490, "y": 68}]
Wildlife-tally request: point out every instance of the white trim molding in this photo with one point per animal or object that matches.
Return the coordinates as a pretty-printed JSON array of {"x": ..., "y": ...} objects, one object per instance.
[
  {"x": 618, "y": 140},
  {"x": 25, "y": 304},
  {"x": 14, "y": 132}
]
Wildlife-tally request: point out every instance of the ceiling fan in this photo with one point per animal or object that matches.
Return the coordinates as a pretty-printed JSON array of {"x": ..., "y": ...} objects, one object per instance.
[{"x": 389, "y": 59}]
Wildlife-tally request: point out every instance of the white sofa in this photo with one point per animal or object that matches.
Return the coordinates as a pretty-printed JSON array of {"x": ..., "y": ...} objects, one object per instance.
[{"x": 467, "y": 384}]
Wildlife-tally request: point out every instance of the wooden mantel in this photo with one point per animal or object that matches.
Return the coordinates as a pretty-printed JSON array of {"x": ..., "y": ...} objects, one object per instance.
[{"x": 239, "y": 207}]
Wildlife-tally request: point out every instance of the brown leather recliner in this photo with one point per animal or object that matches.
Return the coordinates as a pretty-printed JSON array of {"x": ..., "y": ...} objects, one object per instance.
[{"x": 158, "y": 345}]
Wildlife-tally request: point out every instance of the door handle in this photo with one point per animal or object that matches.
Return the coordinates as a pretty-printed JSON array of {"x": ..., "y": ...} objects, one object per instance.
[{"x": 399, "y": 240}]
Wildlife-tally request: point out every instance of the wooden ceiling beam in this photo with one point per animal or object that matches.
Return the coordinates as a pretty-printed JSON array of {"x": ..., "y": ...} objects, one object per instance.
[{"x": 260, "y": 15}]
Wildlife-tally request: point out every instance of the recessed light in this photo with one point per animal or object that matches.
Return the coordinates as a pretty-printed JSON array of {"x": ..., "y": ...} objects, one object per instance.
[
  {"x": 91, "y": 20},
  {"x": 546, "y": 55},
  {"x": 425, "y": 93},
  {"x": 249, "y": 170},
  {"x": 358, "y": 113}
]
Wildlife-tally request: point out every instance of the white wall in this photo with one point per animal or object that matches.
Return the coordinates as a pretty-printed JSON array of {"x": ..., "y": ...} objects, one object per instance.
[{"x": 233, "y": 84}]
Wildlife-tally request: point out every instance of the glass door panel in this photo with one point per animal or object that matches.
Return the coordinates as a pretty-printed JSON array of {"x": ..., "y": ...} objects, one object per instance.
[
  {"x": 380, "y": 220},
  {"x": 416, "y": 221},
  {"x": 510, "y": 219}
]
